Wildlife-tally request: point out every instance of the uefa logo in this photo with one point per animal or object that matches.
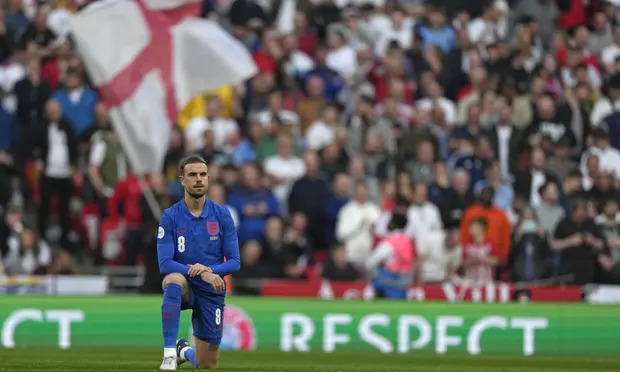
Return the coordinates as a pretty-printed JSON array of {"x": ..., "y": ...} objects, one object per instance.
[{"x": 239, "y": 332}]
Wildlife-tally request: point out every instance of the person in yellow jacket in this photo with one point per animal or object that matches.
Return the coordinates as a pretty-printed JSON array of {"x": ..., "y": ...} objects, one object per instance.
[{"x": 196, "y": 106}]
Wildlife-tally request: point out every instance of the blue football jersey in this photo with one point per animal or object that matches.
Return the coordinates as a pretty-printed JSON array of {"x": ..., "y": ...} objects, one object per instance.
[{"x": 208, "y": 239}]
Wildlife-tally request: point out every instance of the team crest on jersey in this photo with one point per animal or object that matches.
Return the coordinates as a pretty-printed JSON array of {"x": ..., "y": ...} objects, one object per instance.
[{"x": 213, "y": 227}]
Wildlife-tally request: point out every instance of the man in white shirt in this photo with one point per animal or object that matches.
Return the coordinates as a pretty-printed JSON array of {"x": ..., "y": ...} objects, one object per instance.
[
  {"x": 322, "y": 132},
  {"x": 355, "y": 225},
  {"x": 298, "y": 62},
  {"x": 611, "y": 52},
  {"x": 57, "y": 150},
  {"x": 489, "y": 28},
  {"x": 284, "y": 168},
  {"x": 400, "y": 30},
  {"x": 440, "y": 254},
  {"x": 608, "y": 157},
  {"x": 423, "y": 216},
  {"x": 341, "y": 57},
  {"x": 434, "y": 97},
  {"x": 224, "y": 130},
  {"x": 605, "y": 106}
]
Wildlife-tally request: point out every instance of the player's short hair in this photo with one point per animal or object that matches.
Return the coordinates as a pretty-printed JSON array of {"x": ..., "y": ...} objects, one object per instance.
[{"x": 190, "y": 159}]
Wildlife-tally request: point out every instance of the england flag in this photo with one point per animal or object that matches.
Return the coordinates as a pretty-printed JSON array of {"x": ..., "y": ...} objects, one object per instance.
[{"x": 148, "y": 58}]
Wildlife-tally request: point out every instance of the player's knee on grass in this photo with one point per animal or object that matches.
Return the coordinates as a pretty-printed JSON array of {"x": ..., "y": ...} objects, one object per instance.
[
  {"x": 206, "y": 362},
  {"x": 206, "y": 354},
  {"x": 176, "y": 278}
]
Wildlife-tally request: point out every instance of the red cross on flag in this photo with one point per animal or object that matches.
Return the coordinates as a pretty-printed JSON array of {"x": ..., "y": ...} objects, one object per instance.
[{"x": 148, "y": 58}]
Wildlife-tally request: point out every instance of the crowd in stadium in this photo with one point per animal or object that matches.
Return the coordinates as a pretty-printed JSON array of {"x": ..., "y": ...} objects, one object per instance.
[{"x": 493, "y": 124}]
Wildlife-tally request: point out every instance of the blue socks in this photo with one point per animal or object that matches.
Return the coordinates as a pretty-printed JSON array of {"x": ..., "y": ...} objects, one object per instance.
[
  {"x": 171, "y": 314},
  {"x": 189, "y": 355}
]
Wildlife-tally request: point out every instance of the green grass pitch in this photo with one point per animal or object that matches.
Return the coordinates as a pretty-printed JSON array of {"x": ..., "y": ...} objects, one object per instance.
[{"x": 121, "y": 360}]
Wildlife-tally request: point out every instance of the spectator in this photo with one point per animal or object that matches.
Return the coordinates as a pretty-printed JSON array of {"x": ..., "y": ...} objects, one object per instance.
[
  {"x": 275, "y": 109},
  {"x": 107, "y": 164},
  {"x": 337, "y": 268},
  {"x": 284, "y": 169},
  {"x": 338, "y": 198},
  {"x": 31, "y": 93},
  {"x": 322, "y": 132},
  {"x": 547, "y": 123},
  {"x": 16, "y": 20},
  {"x": 124, "y": 208},
  {"x": 341, "y": 57},
  {"x": 332, "y": 80},
  {"x": 296, "y": 61},
  {"x": 423, "y": 216},
  {"x": 272, "y": 241},
  {"x": 608, "y": 157},
  {"x": 579, "y": 243},
  {"x": 11, "y": 225},
  {"x": 217, "y": 194},
  {"x": 422, "y": 168},
  {"x": 357, "y": 172},
  {"x": 393, "y": 262},
  {"x": 480, "y": 255},
  {"x": 251, "y": 266},
  {"x": 360, "y": 123},
  {"x": 435, "y": 99},
  {"x": 398, "y": 31},
  {"x": 308, "y": 195},
  {"x": 77, "y": 102},
  {"x": 602, "y": 190},
  {"x": 245, "y": 151},
  {"x": 529, "y": 250},
  {"x": 310, "y": 106},
  {"x": 549, "y": 213},
  {"x": 561, "y": 163},
  {"x": 497, "y": 225},
  {"x": 254, "y": 202},
  {"x": 225, "y": 131},
  {"x": 505, "y": 139},
  {"x": 531, "y": 181},
  {"x": 297, "y": 251},
  {"x": 491, "y": 27},
  {"x": 354, "y": 225},
  {"x": 56, "y": 153},
  {"x": 440, "y": 255},
  {"x": 476, "y": 163},
  {"x": 58, "y": 19},
  {"x": 456, "y": 200},
  {"x": 437, "y": 31},
  {"x": 611, "y": 51},
  {"x": 609, "y": 224},
  {"x": 37, "y": 37},
  {"x": 503, "y": 191},
  {"x": 27, "y": 255}
]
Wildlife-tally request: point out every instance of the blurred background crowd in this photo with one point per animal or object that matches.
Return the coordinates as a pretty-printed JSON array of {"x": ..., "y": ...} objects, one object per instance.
[{"x": 494, "y": 124}]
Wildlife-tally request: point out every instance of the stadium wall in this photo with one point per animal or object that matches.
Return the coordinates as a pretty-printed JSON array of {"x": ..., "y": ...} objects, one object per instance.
[{"x": 329, "y": 326}]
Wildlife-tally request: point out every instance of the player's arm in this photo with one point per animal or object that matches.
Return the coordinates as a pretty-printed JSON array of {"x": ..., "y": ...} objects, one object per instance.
[
  {"x": 165, "y": 248},
  {"x": 230, "y": 246}
]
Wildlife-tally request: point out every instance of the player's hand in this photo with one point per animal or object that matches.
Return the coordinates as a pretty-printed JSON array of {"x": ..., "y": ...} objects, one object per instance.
[
  {"x": 197, "y": 269},
  {"x": 215, "y": 280}
]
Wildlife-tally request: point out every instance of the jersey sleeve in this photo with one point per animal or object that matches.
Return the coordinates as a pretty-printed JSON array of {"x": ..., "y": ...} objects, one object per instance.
[
  {"x": 230, "y": 246},
  {"x": 165, "y": 248}
]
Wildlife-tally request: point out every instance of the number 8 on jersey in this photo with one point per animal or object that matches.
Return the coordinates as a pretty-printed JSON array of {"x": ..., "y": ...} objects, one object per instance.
[{"x": 181, "y": 244}]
